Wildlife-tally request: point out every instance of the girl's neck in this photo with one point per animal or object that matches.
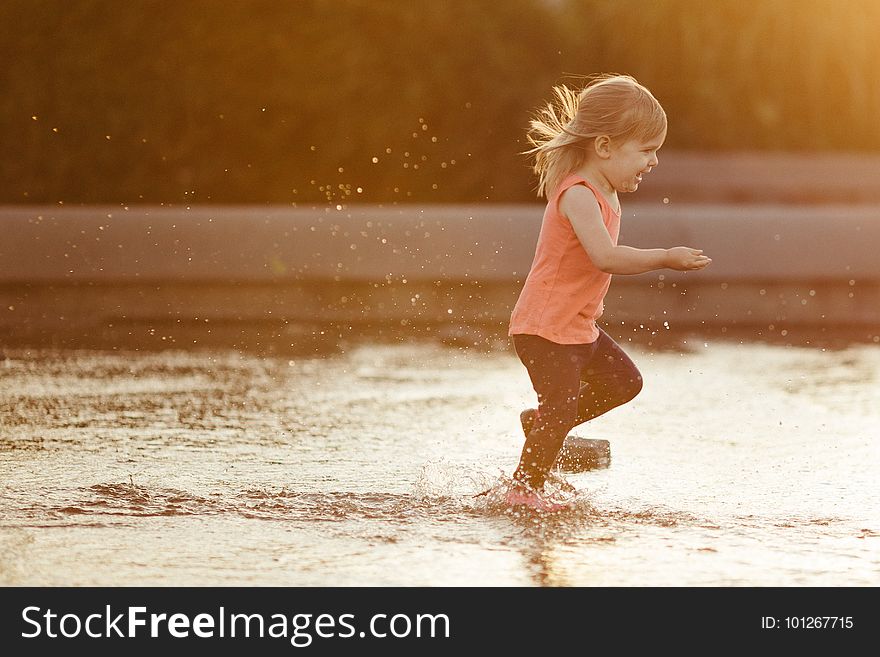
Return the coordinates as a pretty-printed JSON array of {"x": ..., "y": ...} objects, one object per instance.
[{"x": 595, "y": 177}]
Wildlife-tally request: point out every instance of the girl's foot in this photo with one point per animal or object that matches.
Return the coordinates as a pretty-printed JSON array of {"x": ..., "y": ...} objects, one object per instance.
[{"x": 519, "y": 495}]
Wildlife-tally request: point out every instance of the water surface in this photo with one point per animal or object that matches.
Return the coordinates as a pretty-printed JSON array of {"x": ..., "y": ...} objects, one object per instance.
[{"x": 738, "y": 465}]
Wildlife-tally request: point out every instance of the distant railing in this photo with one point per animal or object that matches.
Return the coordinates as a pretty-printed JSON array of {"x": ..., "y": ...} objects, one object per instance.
[
  {"x": 488, "y": 243},
  {"x": 106, "y": 275}
]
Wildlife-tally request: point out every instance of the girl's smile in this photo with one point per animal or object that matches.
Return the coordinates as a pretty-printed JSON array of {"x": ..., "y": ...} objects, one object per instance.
[{"x": 629, "y": 161}]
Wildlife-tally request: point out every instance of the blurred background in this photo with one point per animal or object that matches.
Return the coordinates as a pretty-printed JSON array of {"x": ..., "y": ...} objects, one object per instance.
[
  {"x": 359, "y": 164},
  {"x": 309, "y": 101}
]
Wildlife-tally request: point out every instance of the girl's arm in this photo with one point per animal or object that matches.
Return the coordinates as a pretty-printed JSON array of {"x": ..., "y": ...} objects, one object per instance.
[{"x": 580, "y": 206}]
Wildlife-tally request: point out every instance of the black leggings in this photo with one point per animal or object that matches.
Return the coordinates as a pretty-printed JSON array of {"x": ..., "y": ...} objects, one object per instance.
[{"x": 575, "y": 383}]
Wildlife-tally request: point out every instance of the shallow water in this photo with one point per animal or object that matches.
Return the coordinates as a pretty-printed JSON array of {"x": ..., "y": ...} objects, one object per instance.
[{"x": 739, "y": 464}]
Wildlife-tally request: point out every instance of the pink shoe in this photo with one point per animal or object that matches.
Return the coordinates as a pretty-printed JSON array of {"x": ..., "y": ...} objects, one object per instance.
[{"x": 521, "y": 496}]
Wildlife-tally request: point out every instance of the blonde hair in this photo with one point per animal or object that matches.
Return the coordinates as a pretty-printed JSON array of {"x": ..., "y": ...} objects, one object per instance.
[{"x": 612, "y": 105}]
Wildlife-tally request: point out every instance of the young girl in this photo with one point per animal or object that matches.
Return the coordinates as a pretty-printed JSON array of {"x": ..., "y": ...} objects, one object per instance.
[{"x": 593, "y": 145}]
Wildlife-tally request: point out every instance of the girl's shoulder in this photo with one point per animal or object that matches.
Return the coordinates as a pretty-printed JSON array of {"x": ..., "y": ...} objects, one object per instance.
[
  {"x": 580, "y": 196},
  {"x": 578, "y": 199},
  {"x": 577, "y": 190}
]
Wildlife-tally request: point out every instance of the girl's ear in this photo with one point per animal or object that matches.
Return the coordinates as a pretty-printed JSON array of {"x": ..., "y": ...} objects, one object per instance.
[{"x": 602, "y": 145}]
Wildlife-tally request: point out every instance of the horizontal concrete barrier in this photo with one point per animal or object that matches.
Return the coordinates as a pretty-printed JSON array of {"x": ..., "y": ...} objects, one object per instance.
[
  {"x": 490, "y": 243},
  {"x": 102, "y": 275}
]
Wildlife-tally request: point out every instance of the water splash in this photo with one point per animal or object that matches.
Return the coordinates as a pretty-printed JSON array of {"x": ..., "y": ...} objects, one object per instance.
[{"x": 441, "y": 478}]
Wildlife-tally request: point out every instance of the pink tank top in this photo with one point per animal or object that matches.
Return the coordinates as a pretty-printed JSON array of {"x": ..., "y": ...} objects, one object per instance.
[{"x": 563, "y": 294}]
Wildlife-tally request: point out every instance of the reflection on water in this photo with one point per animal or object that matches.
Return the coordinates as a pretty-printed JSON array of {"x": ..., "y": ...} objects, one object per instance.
[{"x": 739, "y": 464}]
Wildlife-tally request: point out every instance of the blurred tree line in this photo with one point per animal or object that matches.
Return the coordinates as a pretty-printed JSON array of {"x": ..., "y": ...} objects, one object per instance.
[{"x": 340, "y": 101}]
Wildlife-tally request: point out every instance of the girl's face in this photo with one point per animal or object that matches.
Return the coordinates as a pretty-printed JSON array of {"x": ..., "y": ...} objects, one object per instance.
[{"x": 628, "y": 161}]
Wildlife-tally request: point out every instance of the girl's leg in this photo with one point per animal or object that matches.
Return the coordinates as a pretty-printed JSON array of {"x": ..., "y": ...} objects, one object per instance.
[
  {"x": 554, "y": 370},
  {"x": 609, "y": 380}
]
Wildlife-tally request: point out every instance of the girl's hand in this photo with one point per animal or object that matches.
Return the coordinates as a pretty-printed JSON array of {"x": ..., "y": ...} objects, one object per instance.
[{"x": 684, "y": 258}]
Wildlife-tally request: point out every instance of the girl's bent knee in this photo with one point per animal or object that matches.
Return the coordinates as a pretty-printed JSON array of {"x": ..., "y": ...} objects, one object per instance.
[{"x": 634, "y": 387}]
